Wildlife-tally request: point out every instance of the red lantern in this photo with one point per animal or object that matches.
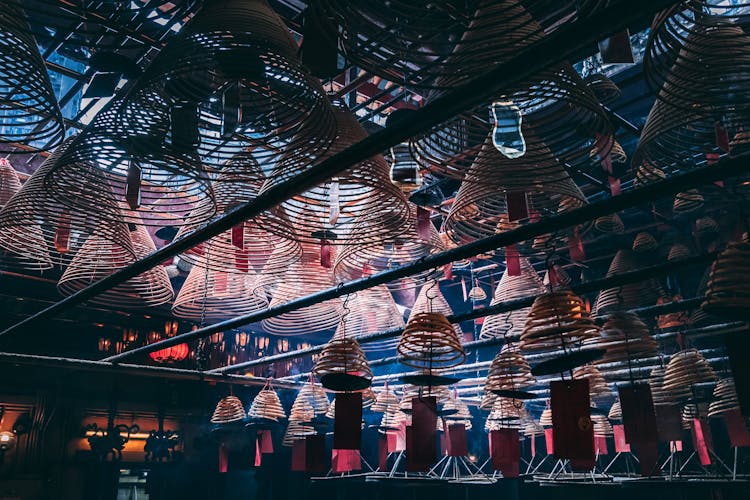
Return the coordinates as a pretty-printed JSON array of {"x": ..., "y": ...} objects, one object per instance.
[{"x": 172, "y": 354}]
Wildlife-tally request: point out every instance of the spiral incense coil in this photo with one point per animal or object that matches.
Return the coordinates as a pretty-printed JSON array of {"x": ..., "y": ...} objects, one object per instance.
[
  {"x": 384, "y": 400},
  {"x": 699, "y": 317},
  {"x": 679, "y": 251},
  {"x": 615, "y": 412},
  {"x": 374, "y": 310},
  {"x": 232, "y": 80},
  {"x": 685, "y": 369},
  {"x": 30, "y": 110},
  {"x": 392, "y": 418},
  {"x": 557, "y": 318},
  {"x": 342, "y": 355},
  {"x": 506, "y": 413},
  {"x": 671, "y": 320},
  {"x": 725, "y": 398},
  {"x": 648, "y": 174},
  {"x": 689, "y": 413},
  {"x": 10, "y": 184},
  {"x": 598, "y": 387},
  {"x": 617, "y": 155},
  {"x": 626, "y": 337},
  {"x": 441, "y": 394},
  {"x": 605, "y": 90},
  {"x": 303, "y": 277},
  {"x": 531, "y": 428},
  {"x": 228, "y": 410},
  {"x": 697, "y": 58},
  {"x": 727, "y": 291},
  {"x": 359, "y": 206},
  {"x": 267, "y": 406},
  {"x": 687, "y": 201},
  {"x": 609, "y": 224},
  {"x": 537, "y": 180},
  {"x": 602, "y": 427},
  {"x": 659, "y": 394},
  {"x": 303, "y": 411},
  {"x": 40, "y": 232},
  {"x": 487, "y": 401},
  {"x": 510, "y": 288},
  {"x": 644, "y": 243},
  {"x": 706, "y": 226},
  {"x": 509, "y": 371},
  {"x": 546, "y": 419},
  {"x": 97, "y": 258},
  {"x": 355, "y": 260},
  {"x": 430, "y": 341},
  {"x": 295, "y": 431},
  {"x": 315, "y": 396},
  {"x": 626, "y": 296},
  {"x": 462, "y": 414}
]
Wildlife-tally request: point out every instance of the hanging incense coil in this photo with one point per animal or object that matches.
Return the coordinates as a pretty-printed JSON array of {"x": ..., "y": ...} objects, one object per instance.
[
  {"x": 689, "y": 413},
  {"x": 487, "y": 401},
  {"x": 510, "y": 288},
  {"x": 429, "y": 341},
  {"x": 392, "y": 418},
  {"x": 706, "y": 227},
  {"x": 644, "y": 243},
  {"x": 546, "y": 419},
  {"x": 696, "y": 57},
  {"x": 609, "y": 224},
  {"x": 10, "y": 183},
  {"x": 509, "y": 371},
  {"x": 531, "y": 428},
  {"x": 342, "y": 365},
  {"x": 31, "y": 114},
  {"x": 602, "y": 427},
  {"x": 725, "y": 398},
  {"x": 313, "y": 395},
  {"x": 498, "y": 194},
  {"x": 626, "y": 296},
  {"x": 367, "y": 399},
  {"x": 266, "y": 406},
  {"x": 679, "y": 251},
  {"x": 648, "y": 174},
  {"x": 97, "y": 258},
  {"x": 615, "y": 412},
  {"x": 671, "y": 320},
  {"x": 457, "y": 412},
  {"x": 303, "y": 411},
  {"x": 228, "y": 410},
  {"x": 506, "y": 413},
  {"x": 659, "y": 394},
  {"x": 295, "y": 431},
  {"x": 598, "y": 387},
  {"x": 557, "y": 319},
  {"x": 605, "y": 90},
  {"x": 232, "y": 80},
  {"x": 727, "y": 291},
  {"x": 356, "y": 260},
  {"x": 308, "y": 275},
  {"x": 688, "y": 201},
  {"x": 40, "y": 232},
  {"x": 617, "y": 156},
  {"x": 626, "y": 337},
  {"x": 358, "y": 206},
  {"x": 685, "y": 369},
  {"x": 384, "y": 400},
  {"x": 699, "y": 317},
  {"x": 374, "y": 310},
  {"x": 441, "y": 394}
]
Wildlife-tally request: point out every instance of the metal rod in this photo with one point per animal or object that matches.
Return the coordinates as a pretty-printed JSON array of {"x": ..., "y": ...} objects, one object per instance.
[
  {"x": 557, "y": 47},
  {"x": 507, "y": 306},
  {"x": 133, "y": 370}
]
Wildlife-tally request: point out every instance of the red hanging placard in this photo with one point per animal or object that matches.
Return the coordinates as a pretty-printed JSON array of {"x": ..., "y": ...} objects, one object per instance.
[
  {"x": 575, "y": 246},
  {"x": 382, "y": 451},
  {"x": 702, "y": 440},
  {"x": 571, "y": 419},
  {"x": 512, "y": 260},
  {"x": 448, "y": 271},
  {"x": 315, "y": 453},
  {"x": 638, "y": 415},
  {"x": 345, "y": 461},
  {"x": 615, "y": 187},
  {"x": 325, "y": 254},
  {"x": 423, "y": 224},
  {"x": 737, "y": 428},
  {"x": 505, "y": 451},
  {"x": 621, "y": 445},
  {"x": 299, "y": 464},
  {"x": 242, "y": 260},
  {"x": 421, "y": 436},
  {"x": 457, "y": 445},
  {"x": 600, "y": 445},
  {"x": 266, "y": 442},
  {"x": 347, "y": 423},
  {"x": 223, "y": 459},
  {"x": 549, "y": 441},
  {"x": 238, "y": 235},
  {"x": 258, "y": 453},
  {"x": 517, "y": 206},
  {"x": 668, "y": 423}
]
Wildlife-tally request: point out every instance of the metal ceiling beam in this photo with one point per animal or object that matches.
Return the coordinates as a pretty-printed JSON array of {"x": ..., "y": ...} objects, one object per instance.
[{"x": 557, "y": 47}]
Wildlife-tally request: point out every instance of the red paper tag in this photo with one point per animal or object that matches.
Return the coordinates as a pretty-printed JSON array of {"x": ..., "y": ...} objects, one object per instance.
[
  {"x": 603, "y": 146},
  {"x": 299, "y": 463},
  {"x": 621, "y": 445},
  {"x": 223, "y": 459},
  {"x": 345, "y": 460},
  {"x": 325, "y": 254},
  {"x": 571, "y": 419},
  {"x": 575, "y": 246},
  {"x": 242, "y": 260},
  {"x": 702, "y": 440},
  {"x": 423, "y": 224},
  {"x": 512, "y": 261},
  {"x": 266, "y": 442},
  {"x": 62, "y": 233},
  {"x": 675, "y": 446},
  {"x": 600, "y": 443},
  {"x": 615, "y": 188},
  {"x": 722, "y": 137},
  {"x": 401, "y": 437},
  {"x": 505, "y": 451},
  {"x": 517, "y": 206},
  {"x": 457, "y": 445},
  {"x": 258, "y": 453},
  {"x": 532, "y": 443},
  {"x": 238, "y": 235},
  {"x": 421, "y": 436},
  {"x": 737, "y": 428},
  {"x": 549, "y": 441},
  {"x": 347, "y": 423}
]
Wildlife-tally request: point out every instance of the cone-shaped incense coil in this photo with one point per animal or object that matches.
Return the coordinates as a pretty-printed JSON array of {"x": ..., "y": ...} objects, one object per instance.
[
  {"x": 302, "y": 410},
  {"x": 685, "y": 369},
  {"x": 648, "y": 174},
  {"x": 267, "y": 406},
  {"x": 671, "y": 320},
  {"x": 706, "y": 226},
  {"x": 462, "y": 414},
  {"x": 509, "y": 288},
  {"x": 342, "y": 355},
  {"x": 531, "y": 428},
  {"x": 509, "y": 371},
  {"x": 392, "y": 418},
  {"x": 626, "y": 296},
  {"x": 546, "y": 419},
  {"x": 679, "y": 251},
  {"x": 689, "y": 412},
  {"x": 598, "y": 387},
  {"x": 30, "y": 110},
  {"x": 363, "y": 197},
  {"x": 656, "y": 380},
  {"x": 296, "y": 430},
  {"x": 556, "y": 319},
  {"x": 302, "y": 278},
  {"x": 417, "y": 239},
  {"x": 228, "y": 410},
  {"x": 688, "y": 201},
  {"x": 728, "y": 289},
  {"x": 430, "y": 341},
  {"x": 644, "y": 243},
  {"x": 487, "y": 401},
  {"x": 374, "y": 310},
  {"x": 97, "y": 258},
  {"x": 498, "y": 194},
  {"x": 431, "y": 299},
  {"x": 625, "y": 336},
  {"x": 725, "y": 398},
  {"x": 384, "y": 400},
  {"x": 42, "y": 232},
  {"x": 603, "y": 88},
  {"x": 10, "y": 184},
  {"x": 609, "y": 224},
  {"x": 615, "y": 412},
  {"x": 441, "y": 393},
  {"x": 506, "y": 413},
  {"x": 602, "y": 427},
  {"x": 313, "y": 396}
]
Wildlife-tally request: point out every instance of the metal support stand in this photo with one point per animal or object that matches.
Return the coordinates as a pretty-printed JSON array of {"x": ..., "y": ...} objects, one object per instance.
[
  {"x": 628, "y": 457},
  {"x": 459, "y": 469},
  {"x": 715, "y": 457}
]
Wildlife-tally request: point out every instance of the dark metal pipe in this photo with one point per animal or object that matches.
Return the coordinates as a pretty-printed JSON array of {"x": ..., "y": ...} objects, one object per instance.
[{"x": 557, "y": 47}]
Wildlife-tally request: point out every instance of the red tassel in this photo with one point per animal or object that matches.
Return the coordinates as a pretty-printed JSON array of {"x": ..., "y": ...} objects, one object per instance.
[
  {"x": 517, "y": 206},
  {"x": 133, "y": 186},
  {"x": 571, "y": 419},
  {"x": 457, "y": 445},
  {"x": 702, "y": 440},
  {"x": 722, "y": 136},
  {"x": 325, "y": 254},
  {"x": 621, "y": 445},
  {"x": 737, "y": 429},
  {"x": 62, "y": 233},
  {"x": 223, "y": 459},
  {"x": 549, "y": 441},
  {"x": 512, "y": 260},
  {"x": 238, "y": 235},
  {"x": 505, "y": 451},
  {"x": 347, "y": 423},
  {"x": 423, "y": 224}
]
